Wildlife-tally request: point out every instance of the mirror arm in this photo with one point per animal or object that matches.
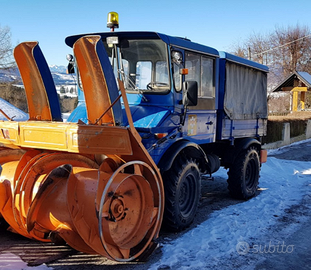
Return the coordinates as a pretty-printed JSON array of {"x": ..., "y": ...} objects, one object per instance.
[{"x": 183, "y": 116}]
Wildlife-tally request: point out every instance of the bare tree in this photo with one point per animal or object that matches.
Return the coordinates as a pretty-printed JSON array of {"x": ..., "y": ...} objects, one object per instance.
[
  {"x": 291, "y": 50},
  {"x": 6, "y": 59},
  {"x": 257, "y": 44},
  {"x": 283, "y": 51},
  {"x": 253, "y": 48}
]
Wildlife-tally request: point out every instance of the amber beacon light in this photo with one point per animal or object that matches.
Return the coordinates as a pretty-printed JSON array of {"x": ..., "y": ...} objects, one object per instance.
[{"x": 113, "y": 20}]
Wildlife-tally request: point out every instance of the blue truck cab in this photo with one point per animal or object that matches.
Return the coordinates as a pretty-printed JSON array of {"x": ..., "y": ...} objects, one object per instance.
[{"x": 195, "y": 108}]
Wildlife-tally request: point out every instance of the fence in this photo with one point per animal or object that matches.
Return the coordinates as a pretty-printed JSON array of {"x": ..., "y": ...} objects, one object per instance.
[{"x": 286, "y": 135}]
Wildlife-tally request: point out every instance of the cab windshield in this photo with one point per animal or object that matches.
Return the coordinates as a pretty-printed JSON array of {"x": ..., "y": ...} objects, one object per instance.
[{"x": 141, "y": 63}]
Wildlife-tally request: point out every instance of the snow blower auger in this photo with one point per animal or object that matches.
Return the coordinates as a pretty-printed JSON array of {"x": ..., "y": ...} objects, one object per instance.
[{"x": 92, "y": 184}]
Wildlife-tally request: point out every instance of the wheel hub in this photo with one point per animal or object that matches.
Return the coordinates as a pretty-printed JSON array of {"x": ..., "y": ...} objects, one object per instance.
[{"x": 117, "y": 209}]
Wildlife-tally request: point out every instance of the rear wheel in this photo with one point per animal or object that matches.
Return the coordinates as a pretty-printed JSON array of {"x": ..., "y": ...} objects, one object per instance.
[
  {"x": 182, "y": 185},
  {"x": 244, "y": 174}
]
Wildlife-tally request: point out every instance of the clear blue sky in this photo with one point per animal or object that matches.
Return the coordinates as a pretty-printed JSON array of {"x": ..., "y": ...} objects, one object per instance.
[{"x": 216, "y": 23}]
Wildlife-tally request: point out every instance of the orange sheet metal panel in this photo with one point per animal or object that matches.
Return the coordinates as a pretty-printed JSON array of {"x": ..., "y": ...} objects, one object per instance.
[
  {"x": 9, "y": 132},
  {"x": 99, "y": 139},
  {"x": 69, "y": 137},
  {"x": 43, "y": 135}
]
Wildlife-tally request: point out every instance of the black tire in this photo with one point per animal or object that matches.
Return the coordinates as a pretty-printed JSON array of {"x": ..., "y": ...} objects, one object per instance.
[
  {"x": 182, "y": 186},
  {"x": 244, "y": 175}
]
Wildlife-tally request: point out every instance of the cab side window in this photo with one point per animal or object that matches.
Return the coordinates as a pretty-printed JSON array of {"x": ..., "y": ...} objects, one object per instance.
[
  {"x": 177, "y": 78},
  {"x": 201, "y": 69},
  {"x": 207, "y": 78},
  {"x": 194, "y": 68}
]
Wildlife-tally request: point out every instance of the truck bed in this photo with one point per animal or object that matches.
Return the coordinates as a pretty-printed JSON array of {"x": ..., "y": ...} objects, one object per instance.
[{"x": 243, "y": 128}]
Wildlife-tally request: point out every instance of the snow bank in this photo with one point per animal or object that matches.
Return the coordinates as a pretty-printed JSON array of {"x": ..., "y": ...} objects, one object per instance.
[
  {"x": 12, "y": 111},
  {"x": 17, "y": 114}
]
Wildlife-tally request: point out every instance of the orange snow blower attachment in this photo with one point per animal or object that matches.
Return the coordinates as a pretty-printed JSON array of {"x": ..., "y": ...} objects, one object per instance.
[{"x": 93, "y": 185}]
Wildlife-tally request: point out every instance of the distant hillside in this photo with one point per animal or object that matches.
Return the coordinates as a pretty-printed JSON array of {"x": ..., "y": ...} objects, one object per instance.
[
  {"x": 58, "y": 69},
  {"x": 10, "y": 75},
  {"x": 60, "y": 77}
]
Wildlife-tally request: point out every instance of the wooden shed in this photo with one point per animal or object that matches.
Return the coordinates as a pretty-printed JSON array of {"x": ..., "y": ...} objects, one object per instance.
[{"x": 298, "y": 84}]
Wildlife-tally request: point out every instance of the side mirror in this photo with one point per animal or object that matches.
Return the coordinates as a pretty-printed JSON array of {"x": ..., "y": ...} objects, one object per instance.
[
  {"x": 190, "y": 93},
  {"x": 70, "y": 67}
]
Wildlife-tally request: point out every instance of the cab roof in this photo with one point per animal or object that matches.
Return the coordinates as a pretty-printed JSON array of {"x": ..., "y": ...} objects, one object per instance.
[
  {"x": 242, "y": 61},
  {"x": 174, "y": 41}
]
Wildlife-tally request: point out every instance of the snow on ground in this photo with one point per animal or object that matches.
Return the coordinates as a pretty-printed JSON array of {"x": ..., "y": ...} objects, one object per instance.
[
  {"x": 17, "y": 114},
  {"x": 12, "y": 111},
  {"x": 65, "y": 116},
  {"x": 286, "y": 147},
  {"x": 230, "y": 232}
]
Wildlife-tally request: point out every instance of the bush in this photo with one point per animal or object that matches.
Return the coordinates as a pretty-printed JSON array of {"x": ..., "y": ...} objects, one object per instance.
[
  {"x": 15, "y": 95},
  {"x": 68, "y": 104}
]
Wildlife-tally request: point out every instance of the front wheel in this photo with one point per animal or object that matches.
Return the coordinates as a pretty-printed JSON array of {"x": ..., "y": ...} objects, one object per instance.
[
  {"x": 182, "y": 186},
  {"x": 244, "y": 174}
]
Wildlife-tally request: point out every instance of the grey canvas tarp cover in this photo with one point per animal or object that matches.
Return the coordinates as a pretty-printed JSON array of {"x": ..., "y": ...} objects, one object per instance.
[{"x": 245, "y": 92}]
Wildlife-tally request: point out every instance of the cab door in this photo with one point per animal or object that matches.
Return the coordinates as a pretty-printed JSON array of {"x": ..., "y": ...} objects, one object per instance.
[{"x": 200, "y": 122}]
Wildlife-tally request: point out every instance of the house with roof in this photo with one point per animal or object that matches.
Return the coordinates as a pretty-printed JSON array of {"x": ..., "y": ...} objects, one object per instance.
[{"x": 298, "y": 84}]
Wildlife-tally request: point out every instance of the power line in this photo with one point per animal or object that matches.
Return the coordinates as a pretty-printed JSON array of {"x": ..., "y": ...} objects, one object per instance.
[{"x": 263, "y": 52}]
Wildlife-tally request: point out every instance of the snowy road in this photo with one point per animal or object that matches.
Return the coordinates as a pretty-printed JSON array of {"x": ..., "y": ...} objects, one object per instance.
[
  {"x": 270, "y": 231},
  {"x": 247, "y": 235}
]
